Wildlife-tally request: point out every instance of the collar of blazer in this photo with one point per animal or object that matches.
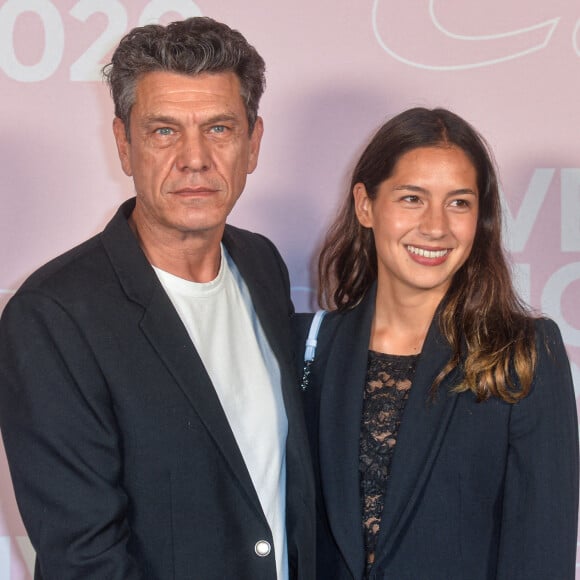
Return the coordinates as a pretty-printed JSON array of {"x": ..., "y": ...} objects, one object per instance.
[
  {"x": 419, "y": 439},
  {"x": 135, "y": 276},
  {"x": 167, "y": 335},
  {"x": 269, "y": 286}
]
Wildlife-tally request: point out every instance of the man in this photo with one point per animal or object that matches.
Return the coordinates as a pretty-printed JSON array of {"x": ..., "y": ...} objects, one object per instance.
[{"x": 146, "y": 386}]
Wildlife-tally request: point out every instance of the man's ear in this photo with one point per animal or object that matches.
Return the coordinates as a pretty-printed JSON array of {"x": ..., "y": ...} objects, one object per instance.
[
  {"x": 123, "y": 145},
  {"x": 255, "y": 140},
  {"x": 363, "y": 205}
]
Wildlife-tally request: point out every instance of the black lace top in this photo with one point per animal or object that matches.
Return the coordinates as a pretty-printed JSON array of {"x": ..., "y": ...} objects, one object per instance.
[{"x": 387, "y": 387}]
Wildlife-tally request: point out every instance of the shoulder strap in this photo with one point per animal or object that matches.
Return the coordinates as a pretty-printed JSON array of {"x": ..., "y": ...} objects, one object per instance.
[
  {"x": 312, "y": 339},
  {"x": 311, "y": 342}
]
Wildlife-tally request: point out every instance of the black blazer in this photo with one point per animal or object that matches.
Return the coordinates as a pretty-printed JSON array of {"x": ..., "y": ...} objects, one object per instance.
[
  {"x": 477, "y": 490},
  {"x": 122, "y": 459}
]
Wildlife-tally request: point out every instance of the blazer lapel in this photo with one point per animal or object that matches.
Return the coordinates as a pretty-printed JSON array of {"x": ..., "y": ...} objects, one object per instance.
[
  {"x": 167, "y": 335},
  {"x": 340, "y": 417},
  {"x": 419, "y": 440},
  {"x": 270, "y": 312},
  {"x": 269, "y": 287},
  {"x": 268, "y": 307}
]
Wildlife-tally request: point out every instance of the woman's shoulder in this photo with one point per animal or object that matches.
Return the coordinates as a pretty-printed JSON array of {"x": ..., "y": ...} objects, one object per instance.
[
  {"x": 552, "y": 374},
  {"x": 548, "y": 335},
  {"x": 545, "y": 326}
]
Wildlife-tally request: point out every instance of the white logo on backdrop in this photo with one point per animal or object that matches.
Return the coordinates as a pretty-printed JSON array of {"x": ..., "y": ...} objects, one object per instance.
[
  {"x": 87, "y": 66},
  {"x": 491, "y": 48},
  {"x": 520, "y": 226},
  {"x": 575, "y": 38}
]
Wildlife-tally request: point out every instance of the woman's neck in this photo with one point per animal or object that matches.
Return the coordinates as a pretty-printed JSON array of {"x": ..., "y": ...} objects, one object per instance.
[{"x": 400, "y": 323}]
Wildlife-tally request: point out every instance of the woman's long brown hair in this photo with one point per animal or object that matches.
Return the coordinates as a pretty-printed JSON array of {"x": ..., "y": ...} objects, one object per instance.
[{"x": 490, "y": 331}]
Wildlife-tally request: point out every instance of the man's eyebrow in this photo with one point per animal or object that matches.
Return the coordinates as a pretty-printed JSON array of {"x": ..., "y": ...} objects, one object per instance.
[
  {"x": 221, "y": 118},
  {"x": 154, "y": 119},
  {"x": 170, "y": 120}
]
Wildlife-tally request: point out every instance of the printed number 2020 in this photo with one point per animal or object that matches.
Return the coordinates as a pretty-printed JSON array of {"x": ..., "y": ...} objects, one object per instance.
[{"x": 87, "y": 66}]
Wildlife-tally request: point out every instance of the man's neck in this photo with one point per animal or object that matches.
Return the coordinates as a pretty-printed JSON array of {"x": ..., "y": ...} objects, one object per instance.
[{"x": 192, "y": 257}]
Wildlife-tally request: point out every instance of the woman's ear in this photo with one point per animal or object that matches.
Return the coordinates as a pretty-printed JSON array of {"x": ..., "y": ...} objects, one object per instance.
[{"x": 363, "y": 205}]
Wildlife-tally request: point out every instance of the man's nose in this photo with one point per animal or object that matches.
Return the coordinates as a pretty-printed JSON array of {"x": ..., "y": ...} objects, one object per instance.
[{"x": 194, "y": 152}]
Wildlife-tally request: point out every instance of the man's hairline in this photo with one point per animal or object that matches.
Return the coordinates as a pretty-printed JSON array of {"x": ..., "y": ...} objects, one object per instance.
[{"x": 139, "y": 76}]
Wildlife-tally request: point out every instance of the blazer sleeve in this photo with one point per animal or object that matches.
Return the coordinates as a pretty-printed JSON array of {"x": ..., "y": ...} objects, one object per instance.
[
  {"x": 62, "y": 444},
  {"x": 540, "y": 506}
]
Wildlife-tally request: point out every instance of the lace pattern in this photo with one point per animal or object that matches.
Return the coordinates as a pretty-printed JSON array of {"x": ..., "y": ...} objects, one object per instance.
[{"x": 387, "y": 387}]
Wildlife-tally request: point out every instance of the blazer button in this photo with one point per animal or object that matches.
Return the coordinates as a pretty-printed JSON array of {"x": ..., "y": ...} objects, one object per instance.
[{"x": 262, "y": 548}]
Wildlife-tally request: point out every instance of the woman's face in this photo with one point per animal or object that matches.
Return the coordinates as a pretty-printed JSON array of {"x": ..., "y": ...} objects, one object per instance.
[{"x": 423, "y": 218}]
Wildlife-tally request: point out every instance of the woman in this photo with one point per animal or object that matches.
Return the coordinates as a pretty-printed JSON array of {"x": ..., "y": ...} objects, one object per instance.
[{"x": 441, "y": 413}]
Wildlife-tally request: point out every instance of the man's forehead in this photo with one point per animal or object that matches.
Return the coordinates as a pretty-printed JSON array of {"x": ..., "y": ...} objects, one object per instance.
[
  {"x": 168, "y": 97},
  {"x": 160, "y": 84}
]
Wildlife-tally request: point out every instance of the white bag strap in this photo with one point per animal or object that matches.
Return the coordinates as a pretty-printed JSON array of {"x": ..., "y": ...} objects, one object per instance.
[
  {"x": 311, "y": 343},
  {"x": 312, "y": 339}
]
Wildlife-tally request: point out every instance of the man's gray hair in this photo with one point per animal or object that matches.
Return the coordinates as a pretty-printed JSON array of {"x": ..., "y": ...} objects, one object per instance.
[{"x": 190, "y": 47}]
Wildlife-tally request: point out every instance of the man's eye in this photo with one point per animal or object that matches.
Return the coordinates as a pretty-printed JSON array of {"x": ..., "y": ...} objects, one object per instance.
[
  {"x": 164, "y": 131},
  {"x": 410, "y": 198},
  {"x": 219, "y": 129}
]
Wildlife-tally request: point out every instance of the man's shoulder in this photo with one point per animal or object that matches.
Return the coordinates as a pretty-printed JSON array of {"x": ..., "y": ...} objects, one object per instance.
[
  {"x": 85, "y": 267},
  {"x": 75, "y": 281},
  {"x": 73, "y": 266}
]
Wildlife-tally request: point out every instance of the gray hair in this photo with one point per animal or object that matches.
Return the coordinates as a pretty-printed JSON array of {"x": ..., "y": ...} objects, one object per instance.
[{"x": 192, "y": 46}]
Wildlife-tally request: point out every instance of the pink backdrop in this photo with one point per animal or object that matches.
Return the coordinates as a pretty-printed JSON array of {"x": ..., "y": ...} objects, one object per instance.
[{"x": 336, "y": 70}]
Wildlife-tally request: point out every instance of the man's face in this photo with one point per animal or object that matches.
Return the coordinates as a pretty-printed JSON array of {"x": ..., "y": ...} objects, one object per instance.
[{"x": 189, "y": 152}]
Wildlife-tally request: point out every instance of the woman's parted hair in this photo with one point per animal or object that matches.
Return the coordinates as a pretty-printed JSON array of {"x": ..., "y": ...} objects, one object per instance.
[
  {"x": 192, "y": 46},
  {"x": 481, "y": 316}
]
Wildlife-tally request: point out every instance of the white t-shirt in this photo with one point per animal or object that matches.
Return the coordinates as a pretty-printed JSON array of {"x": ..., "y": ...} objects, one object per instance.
[{"x": 222, "y": 324}]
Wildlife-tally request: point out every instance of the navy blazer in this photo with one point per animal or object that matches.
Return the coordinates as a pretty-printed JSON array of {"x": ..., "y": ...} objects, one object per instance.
[
  {"x": 476, "y": 491},
  {"x": 122, "y": 459}
]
